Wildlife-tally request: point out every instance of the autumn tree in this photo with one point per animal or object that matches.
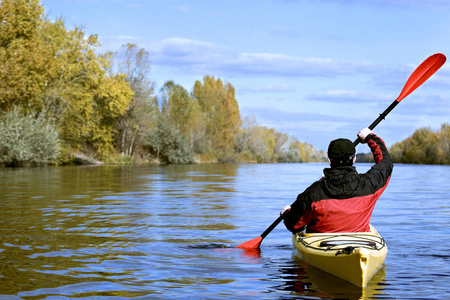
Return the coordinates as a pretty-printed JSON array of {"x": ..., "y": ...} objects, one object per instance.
[
  {"x": 86, "y": 96},
  {"x": 443, "y": 144},
  {"x": 421, "y": 147},
  {"x": 280, "y": 145},
  {"x": 46, "y": 67},
  {"x": 425, "y": 146},
  {"x": 396, "y": 151},
  {"x": 26, "y": 58},
  {"x": 140, "y": 116},
  {"x": 304, "y": 152},
  {"x": 246, "y": 138},
  {"x": 184, "y": 112},
  {"x": 263, "y": 144},
  {"x": 221, "y": 111}
]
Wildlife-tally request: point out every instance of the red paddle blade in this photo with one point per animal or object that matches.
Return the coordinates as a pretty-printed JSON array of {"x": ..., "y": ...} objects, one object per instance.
[
  {"x": 427, "y": 68},
  {"x": 252, "y": 244}
]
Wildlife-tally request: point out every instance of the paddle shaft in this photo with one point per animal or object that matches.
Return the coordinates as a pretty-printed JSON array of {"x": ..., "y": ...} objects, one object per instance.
[
  {"x": 380, "y": 118},
  {"x": 271, "y": 227},
  {"x": 419, "y": 76},
  {"x": 356, "y": 142}
]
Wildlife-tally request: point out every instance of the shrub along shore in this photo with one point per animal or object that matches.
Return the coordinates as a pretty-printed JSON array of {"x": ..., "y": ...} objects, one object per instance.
[{"x": 63, "y": 102}]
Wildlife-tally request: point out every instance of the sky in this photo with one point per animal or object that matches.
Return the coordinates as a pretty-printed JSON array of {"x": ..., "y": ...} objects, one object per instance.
[{"x": 314, "y": 69}]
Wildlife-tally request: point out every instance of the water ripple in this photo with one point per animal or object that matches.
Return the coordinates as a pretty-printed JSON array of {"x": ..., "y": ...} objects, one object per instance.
[{"x": 171, "y": 232}]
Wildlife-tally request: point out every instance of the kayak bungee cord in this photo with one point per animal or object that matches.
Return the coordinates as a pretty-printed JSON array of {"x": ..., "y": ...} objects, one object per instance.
[{"x": 363, "y": 242}]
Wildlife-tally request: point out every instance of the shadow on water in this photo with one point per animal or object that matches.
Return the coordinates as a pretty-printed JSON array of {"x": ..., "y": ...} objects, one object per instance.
[{"x": 210, "y": 246}]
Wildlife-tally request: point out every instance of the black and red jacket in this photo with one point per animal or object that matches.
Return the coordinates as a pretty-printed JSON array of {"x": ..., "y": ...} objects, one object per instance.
[{"x": 343, "y": 200}]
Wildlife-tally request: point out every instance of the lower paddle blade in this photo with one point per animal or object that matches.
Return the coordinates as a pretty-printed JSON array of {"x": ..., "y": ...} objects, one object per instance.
[{"x": 252, "y": 244}]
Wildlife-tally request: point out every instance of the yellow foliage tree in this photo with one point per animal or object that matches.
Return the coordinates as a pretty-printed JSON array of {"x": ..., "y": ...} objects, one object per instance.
[
  {"x": 221, "y": 111},
  {"x": 263, "y": 144},
  {"x": 26, "y": 60},
  {"x": 46, "y": 67},
  {"x": 420, "y": 148},
  {"x": 184, "y": 112},
  {"x": 443, "y": 145},
  {"x": 85, "y": 96}
]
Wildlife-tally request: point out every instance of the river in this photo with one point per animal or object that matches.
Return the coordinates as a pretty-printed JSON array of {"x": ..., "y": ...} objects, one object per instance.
[{"x": 169, "y": 232}]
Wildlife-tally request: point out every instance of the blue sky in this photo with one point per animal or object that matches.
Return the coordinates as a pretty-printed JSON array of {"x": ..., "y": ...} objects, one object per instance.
[{"x": 315, "y": 69}]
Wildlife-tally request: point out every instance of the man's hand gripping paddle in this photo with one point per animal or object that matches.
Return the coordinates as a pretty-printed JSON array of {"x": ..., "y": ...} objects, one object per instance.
[{"x": 424, "y": 71}]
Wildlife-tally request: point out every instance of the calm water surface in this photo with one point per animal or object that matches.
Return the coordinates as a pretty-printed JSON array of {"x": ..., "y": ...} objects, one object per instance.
[{"x": 169, "y": 233}]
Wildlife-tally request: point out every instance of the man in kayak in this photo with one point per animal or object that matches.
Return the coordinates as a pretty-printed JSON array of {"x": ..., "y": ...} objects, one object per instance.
[{"x": 342, "y": 200}]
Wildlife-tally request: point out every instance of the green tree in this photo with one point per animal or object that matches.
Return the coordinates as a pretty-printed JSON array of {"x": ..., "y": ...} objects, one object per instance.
[
  {"x": 281, "y": 146},
  {"x": 397, "y": 152},
  {"x": 140, "y": 116},
  {"x": 184, "y": 112},
  {"x": 168, "y": 144},
  {"x": 245, "y": 139},
  {"x": 421, "y": 148},
  {"x": 443, "y": 144},
  {"x": 253, "y": 141}
]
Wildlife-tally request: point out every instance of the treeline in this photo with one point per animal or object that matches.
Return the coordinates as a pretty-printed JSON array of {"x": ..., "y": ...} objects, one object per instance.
[
  {"x": 61, "y": 100},
  {"x": 425, "y": 146}
]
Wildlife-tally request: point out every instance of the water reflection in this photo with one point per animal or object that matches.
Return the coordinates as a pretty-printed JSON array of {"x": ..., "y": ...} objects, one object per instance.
[
  {"x": 170, "y": 232},
  {"x": 301, "y": 279},
  {"x": 84, "y": 224}
]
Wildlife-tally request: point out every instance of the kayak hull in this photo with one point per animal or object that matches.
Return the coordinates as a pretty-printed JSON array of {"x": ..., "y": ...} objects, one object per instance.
[{"x": 355, "y": 257}]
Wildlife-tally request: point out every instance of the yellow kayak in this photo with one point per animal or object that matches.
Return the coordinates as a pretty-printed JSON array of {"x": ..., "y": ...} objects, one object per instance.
[{"x": 355, "y": 257}]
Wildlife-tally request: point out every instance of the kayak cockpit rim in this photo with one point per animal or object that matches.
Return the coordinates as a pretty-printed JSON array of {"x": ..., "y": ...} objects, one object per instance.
[{"x": 355, "y": 240}]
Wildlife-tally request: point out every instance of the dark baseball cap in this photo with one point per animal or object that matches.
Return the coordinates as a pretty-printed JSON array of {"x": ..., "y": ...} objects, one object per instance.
[{"x": 341, "y": 148}]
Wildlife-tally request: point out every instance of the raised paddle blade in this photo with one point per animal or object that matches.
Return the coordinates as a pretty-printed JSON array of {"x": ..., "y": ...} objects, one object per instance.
[
  {"x": 427, "y": 68},
  {"x": 252, "y": 244}
]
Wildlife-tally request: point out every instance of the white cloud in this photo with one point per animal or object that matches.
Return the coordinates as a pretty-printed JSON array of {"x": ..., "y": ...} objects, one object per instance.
[
  {"x": 207, "y": 57},
  {"x": 435, "y": 106},
  {"x": 271, "y": 88},
  {"x": 350, "y": 96},
  {"x": 181, "y": 52}
]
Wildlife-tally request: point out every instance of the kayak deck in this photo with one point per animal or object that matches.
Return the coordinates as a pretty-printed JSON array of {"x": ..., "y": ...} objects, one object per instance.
[{"x": 355, "y": 257}]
